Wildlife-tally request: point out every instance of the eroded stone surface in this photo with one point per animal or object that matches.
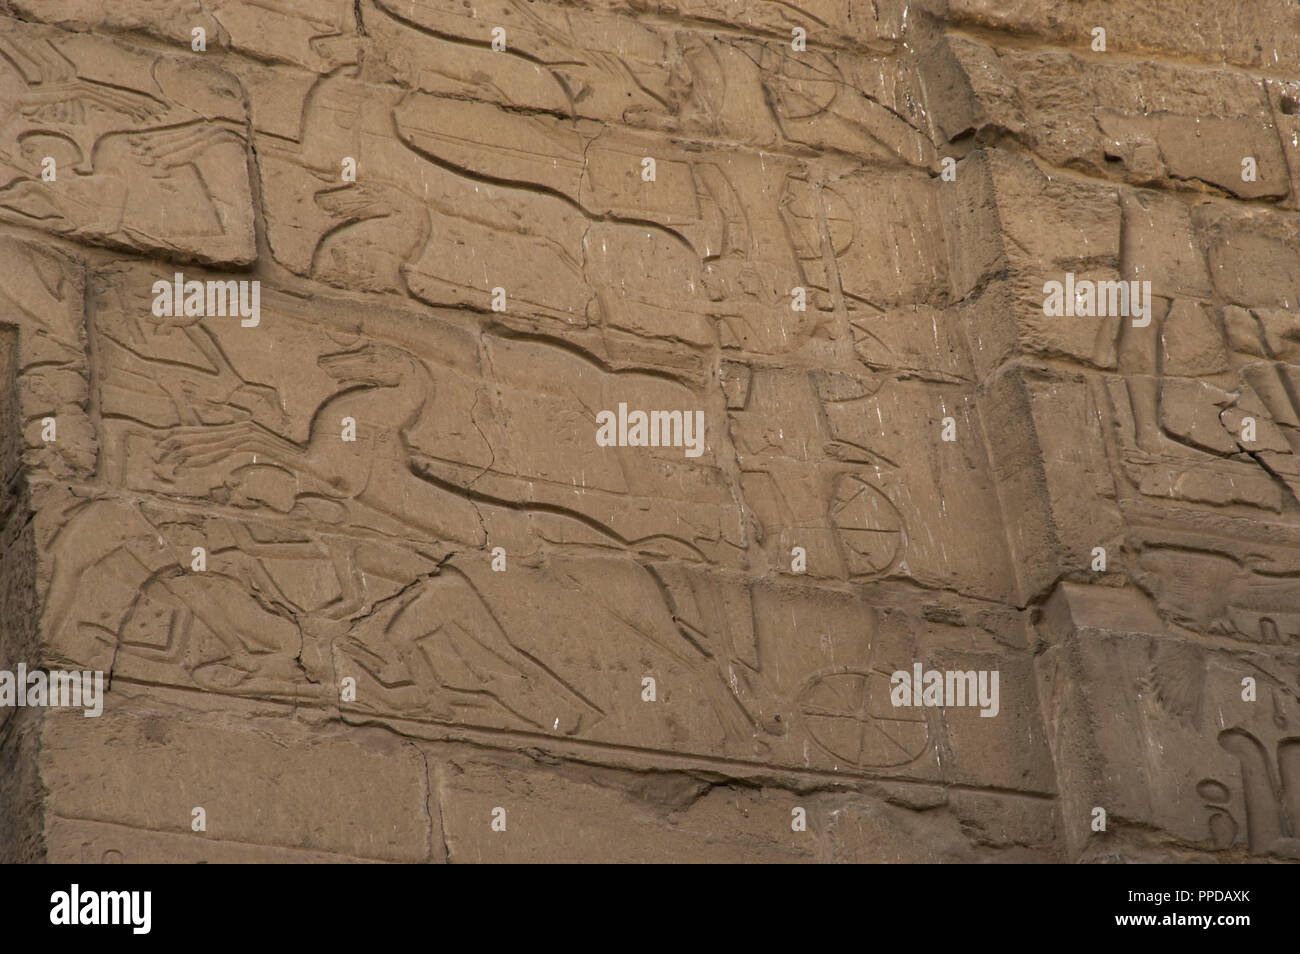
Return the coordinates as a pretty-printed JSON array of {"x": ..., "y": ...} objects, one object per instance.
[{"x": 367, "y": 583}]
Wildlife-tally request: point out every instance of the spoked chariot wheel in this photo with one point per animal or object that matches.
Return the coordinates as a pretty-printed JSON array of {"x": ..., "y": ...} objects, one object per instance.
[{"x": 849, "y": 716}]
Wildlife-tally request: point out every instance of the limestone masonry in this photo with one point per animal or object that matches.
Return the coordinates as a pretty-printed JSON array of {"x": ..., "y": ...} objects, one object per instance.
[{"x": 649, "y": 430}]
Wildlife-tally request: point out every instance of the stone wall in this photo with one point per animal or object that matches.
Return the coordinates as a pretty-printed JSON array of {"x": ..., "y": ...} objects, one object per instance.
[{"x": 367, "y": 541}]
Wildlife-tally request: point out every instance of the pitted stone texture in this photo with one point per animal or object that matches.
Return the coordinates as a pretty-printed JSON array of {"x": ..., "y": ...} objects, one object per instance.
[{"x": 372, "y": 563}]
